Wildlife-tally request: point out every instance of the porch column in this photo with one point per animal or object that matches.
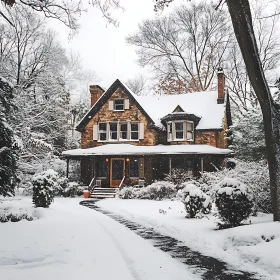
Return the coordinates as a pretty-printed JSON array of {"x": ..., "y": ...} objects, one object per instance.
[
  {"x": 67, "y": 168},
  {"x": 201, "y": 165},
  {"x": 170, "y": 166}
]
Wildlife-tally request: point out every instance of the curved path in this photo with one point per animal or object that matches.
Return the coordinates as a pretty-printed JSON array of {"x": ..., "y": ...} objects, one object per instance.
[{"x": 207, "y": 267}]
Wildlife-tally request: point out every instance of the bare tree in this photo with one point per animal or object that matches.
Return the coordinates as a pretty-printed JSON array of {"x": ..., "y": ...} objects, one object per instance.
[
  {"x": 138, "y": 84},
  {"x": 187, "y": 45},
  {"x": 241, "y": 17}
]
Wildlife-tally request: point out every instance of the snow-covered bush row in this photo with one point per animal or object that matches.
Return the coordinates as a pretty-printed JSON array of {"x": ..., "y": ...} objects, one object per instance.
[
  {"x": 234, "y": 201},
  {"x": 73, "y": 189},
  {"x": 253, "y": 174},
  {"x": 14, "y": 217},
  {"x": 61, "y": 186},
  {"x": 156, "y": 191},
  {"x": 194, "y": 199},
  {"x": 43, "y": 188}
]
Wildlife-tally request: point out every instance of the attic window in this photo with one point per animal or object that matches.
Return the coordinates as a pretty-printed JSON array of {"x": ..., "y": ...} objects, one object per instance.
[{"x": 118, "y": 104}]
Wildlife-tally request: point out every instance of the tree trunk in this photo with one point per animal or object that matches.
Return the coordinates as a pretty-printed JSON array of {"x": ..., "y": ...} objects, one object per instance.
[{"x": 242, "y": 23}]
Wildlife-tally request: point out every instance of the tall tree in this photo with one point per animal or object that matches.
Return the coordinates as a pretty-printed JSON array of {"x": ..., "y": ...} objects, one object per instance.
[
  {"x": 241, "y": 18},
  {"x": 188, "y": 45},
  {"x": 7, "y": 149}
]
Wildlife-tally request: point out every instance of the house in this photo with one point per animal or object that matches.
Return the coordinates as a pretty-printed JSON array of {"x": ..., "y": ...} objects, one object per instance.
[{"x": 128, "y": 138}]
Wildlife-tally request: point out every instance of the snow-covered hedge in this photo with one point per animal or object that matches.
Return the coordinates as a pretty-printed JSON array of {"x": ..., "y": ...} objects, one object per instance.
[
  {"x": 73, "y": 189},
  {"x": 43, "y": 188},
  {"x": 128, "y": 192},
  {"x": 156, "y": 191},
  {"x": 253, "y": 174},
  {"x": 195, "y": 200},
  {"x": 234, "y": 201},
  {"x": 14, "y": 217}
]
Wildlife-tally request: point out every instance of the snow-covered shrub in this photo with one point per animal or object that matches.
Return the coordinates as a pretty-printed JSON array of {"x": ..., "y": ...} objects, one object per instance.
[
  {"x": 62, "y": 183},
  {"x": 158, "y": 191},
  {"x": 73, "y": 189},
  {"x": 234, "y": 201},
  {"x": 195, "y": 200},
  {"x": 128, "y": 192},
  {"x": 14, "y": 217},
  {"x": 177, "y": 176},
  {"x": 44, "y": 184},
  {"x": 253, "y": 174}
]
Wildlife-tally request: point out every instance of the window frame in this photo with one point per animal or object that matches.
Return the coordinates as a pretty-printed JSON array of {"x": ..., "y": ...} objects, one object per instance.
[
  {"x": 171, "y": 131},
  {"x": 134, "y": 131},
  {"x": 102, "y": 131},
  {"x": 120, "y": 131},
  {"x": 114, "y": 105},
  {"x": 114, "y": 131}
]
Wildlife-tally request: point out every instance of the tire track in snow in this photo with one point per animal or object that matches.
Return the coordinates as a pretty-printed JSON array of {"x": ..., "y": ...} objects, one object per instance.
[{"x": 209, "y": 267}]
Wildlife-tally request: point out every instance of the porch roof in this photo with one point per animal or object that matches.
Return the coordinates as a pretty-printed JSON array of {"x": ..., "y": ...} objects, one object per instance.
[{"x": 128, "y": 149}]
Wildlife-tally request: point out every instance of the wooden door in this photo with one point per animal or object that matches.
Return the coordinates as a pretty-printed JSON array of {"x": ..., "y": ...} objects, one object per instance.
[{"x": 117, "y": 171}]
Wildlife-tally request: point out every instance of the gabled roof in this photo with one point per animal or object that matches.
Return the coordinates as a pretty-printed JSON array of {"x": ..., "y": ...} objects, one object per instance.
[
  {"x": 102, "y": 100},
  {"x": 203, "y": 105}
]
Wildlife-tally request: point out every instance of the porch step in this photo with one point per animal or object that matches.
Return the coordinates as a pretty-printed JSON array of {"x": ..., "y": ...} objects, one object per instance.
[{"x": 103, "y": 193}]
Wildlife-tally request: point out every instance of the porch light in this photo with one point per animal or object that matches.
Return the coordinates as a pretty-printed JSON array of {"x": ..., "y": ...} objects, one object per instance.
[
  {"x": 127, "y": 159},
  {"x": 106, "y": 159}
]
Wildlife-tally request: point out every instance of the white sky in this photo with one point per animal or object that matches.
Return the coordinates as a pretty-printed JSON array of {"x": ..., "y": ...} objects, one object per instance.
[{"x": 102, "y": 47}]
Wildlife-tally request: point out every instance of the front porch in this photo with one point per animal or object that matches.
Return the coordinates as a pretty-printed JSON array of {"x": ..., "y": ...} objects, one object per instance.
[{"x": 111, "y": 165}]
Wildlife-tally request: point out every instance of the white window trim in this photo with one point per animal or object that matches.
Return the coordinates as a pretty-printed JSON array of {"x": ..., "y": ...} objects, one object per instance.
[
  {"x": 108, "y": 139},
  {"x": 123, "y": 105},
  {"x": 173, "y": 133},
  {"x": 103, "y": 131}
]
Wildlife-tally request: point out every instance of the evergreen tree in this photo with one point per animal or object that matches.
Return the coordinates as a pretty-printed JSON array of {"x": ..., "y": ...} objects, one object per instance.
[{"x": 7, "y": 151}]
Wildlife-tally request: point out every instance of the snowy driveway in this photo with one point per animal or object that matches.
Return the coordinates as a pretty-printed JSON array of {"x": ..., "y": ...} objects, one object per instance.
[{"x": 70, "y": 241}]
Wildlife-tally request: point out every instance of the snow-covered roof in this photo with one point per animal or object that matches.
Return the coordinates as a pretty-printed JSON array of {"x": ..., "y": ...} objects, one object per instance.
[
  {"x": 201, "y": 104},
  {"x": 128, "y": 149}
]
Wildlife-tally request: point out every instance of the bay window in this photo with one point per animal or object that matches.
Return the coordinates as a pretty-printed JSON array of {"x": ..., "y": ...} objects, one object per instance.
[{"x": 180, "y": 131}]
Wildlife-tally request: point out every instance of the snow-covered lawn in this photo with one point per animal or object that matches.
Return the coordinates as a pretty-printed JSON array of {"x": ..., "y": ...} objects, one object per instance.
[
  {"x": 69, "y": 241},
  {"x": 244, "y": 247}
]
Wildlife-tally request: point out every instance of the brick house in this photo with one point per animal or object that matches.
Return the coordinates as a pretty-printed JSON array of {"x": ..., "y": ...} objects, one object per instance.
[{"x": 127, "y": 138}]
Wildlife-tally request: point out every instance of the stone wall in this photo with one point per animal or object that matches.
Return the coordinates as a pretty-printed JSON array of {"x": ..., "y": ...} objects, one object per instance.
[{"x": 106, "y": 115}]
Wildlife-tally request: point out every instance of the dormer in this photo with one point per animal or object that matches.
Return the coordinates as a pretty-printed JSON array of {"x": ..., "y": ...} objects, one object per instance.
[{"x": 180, "y": 125}]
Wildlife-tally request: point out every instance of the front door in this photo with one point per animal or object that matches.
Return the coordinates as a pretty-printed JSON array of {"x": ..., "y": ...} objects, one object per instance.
[{"x": 117, "y": 171}]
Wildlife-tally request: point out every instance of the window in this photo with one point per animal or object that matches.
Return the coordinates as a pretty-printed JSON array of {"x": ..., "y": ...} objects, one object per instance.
[
  {"x": 113, "y": 131},
  {"x": 116, "y": 131},
  {"x": 102, "y": 131},
  {"x": 119, "y": 104},
  {"x": 169, "y": 131},
  {"x": 189, "y": 131},
  {"x": 134, "y": 168},
  {"x": 101, "y": 168},
  {"x": 182, "y": 164},
  {"x": 123, "y": 131},
  {"x": 134, "y": 131},
  {"x": 179, "y": 130}
]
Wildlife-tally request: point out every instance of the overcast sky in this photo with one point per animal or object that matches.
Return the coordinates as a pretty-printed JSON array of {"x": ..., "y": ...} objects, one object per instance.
[{"x": 102, "y": 47}]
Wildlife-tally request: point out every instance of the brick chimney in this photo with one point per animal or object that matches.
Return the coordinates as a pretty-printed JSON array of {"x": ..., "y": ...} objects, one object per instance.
[
  {"x": 95, "y": 93},
  {"x": 221, "y": 86}
]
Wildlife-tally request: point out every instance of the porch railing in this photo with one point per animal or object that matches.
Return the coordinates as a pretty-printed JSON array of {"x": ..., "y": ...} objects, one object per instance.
[
  {"x": 91, "y": 184},
  {"x": 121, "y": 181}
]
